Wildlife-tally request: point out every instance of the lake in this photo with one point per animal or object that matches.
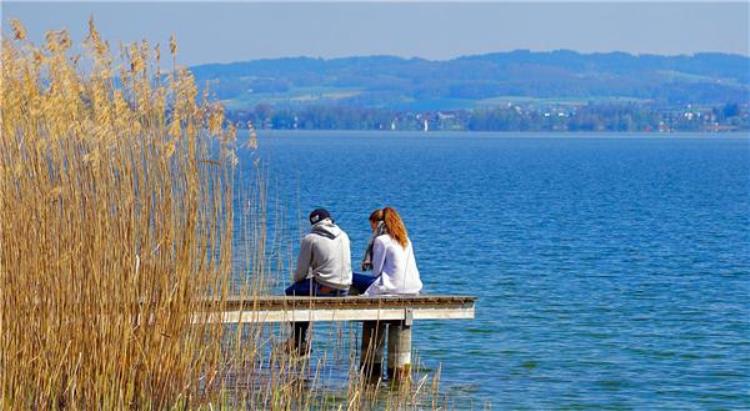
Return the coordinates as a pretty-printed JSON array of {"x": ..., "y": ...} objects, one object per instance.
[{"x": 611, "y": 270}]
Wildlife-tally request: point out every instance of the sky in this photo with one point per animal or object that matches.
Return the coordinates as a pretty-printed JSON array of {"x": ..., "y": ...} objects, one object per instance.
[{"x": 213, "y": 32}]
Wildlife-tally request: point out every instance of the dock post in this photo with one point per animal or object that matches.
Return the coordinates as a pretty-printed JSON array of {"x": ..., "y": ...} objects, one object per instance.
[
  {"x": 399, "y": 351},
  {"x": 371, "y": 355}
]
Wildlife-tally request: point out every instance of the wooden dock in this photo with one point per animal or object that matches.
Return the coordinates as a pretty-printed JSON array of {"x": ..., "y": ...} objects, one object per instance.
[{"x": 391, "y": 317}]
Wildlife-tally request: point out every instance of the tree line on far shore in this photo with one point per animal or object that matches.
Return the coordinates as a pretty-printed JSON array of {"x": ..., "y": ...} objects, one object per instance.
[{"x": 606, "y": 117}]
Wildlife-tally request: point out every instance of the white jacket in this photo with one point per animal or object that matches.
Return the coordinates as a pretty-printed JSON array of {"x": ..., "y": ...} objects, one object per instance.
[{"x": 396, "y": 267}]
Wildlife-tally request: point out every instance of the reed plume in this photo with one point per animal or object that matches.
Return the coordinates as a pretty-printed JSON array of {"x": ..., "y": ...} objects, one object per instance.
[
  {"x": 115, "y": 220},
  {"x": 116, "y": 224}
]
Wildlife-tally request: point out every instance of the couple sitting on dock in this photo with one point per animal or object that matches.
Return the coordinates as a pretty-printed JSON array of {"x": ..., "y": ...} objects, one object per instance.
[{"x": 324, "y": 263}]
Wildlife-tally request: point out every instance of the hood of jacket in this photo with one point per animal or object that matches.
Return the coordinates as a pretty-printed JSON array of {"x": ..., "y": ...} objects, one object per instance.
[{"x": 326, "y": 228}]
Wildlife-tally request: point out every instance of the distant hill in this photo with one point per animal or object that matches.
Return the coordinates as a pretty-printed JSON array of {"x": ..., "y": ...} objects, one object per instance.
[{"x": 544, "y": 78}]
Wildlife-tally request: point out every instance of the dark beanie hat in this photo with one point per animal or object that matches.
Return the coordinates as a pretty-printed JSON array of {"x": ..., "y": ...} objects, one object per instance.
[{"x": 319, "y": 214}]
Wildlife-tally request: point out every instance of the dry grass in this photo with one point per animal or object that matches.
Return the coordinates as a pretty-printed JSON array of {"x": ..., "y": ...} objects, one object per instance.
[{"x": 116, "y": 219}]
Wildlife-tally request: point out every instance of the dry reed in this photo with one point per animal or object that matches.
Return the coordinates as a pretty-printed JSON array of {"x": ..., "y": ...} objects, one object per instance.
[{"x": 116, "y": 221}]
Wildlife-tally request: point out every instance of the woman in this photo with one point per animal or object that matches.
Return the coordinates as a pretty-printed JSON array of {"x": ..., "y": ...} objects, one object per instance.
[
  {"x": 378, "y": 229},
  {"x": 360, "y": 282},
  {"x": 394, "y": 267}
]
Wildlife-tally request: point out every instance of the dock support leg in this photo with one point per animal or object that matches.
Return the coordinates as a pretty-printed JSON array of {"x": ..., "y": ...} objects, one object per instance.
[
  {"x": 399, "y": 352},
  {"x": 373, "y": 342}
]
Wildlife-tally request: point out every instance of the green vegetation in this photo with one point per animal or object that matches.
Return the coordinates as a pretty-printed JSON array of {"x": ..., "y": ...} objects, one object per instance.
[
  {"x": 614, "y": 116},
  {"x": 516, "y": 91}
]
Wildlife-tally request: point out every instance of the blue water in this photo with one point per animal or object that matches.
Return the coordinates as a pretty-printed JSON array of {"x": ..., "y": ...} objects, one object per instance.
[{"x": 610, "y": 271}]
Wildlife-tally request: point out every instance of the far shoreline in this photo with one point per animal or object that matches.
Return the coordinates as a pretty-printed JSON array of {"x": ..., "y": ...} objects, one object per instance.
[{"x": 353, "y": 133}]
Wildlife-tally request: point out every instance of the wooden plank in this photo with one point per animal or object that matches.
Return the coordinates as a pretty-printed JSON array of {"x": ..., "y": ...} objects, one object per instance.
[
  {"x": 270, "y": 309},
  {"x": 456, "y": 312},
  {"x": 277, "y": 302}
]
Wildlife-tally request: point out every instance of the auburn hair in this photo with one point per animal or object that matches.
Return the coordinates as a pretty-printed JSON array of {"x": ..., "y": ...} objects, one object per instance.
[
  {"x": 394, "y": 226},
  {"x": 376, "y": 215}
]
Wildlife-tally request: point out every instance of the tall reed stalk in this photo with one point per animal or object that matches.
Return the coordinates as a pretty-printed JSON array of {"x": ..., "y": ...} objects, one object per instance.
[{"x": 116, "y": 222}]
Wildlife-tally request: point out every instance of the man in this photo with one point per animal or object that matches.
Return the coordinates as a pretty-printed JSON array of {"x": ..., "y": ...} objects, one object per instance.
[{"x": 324, "y": 269}]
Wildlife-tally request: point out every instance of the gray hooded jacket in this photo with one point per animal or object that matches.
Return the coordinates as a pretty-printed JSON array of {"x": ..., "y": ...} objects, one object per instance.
[{"x": 325, "y": 256}]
